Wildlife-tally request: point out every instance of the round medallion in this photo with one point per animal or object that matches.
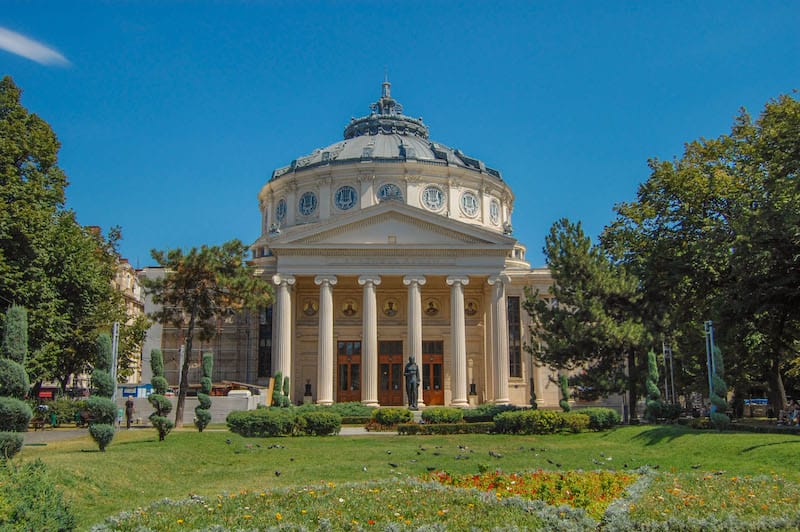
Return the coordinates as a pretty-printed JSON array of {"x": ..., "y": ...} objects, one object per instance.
[
  {"x": 494, "y": 212},
  {"x": 390, "y": 307},
  {"x": 308, "y": 203},
  {"x": 389, "y": 191},
  {"x": 310, "y": 307},
  {"x": 346, "y": 198},
  {"x": 350, "y": 308},
  {"x": 471, "y": 307},
  {"x": 469, "y": 204},
  {"x": 431, "y": 307},
  {"x": 280, "y": 210},
  {"x": 433, "y": 198}
]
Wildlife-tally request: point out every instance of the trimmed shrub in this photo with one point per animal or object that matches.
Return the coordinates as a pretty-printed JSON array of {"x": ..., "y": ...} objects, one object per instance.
[
  {"x": 442, "y": 414},
  {"x": 319, "y": 423},
  {"x": 486, "y": 412},
  {"x": 653, "y": 404},
  {"x": 14, "y": 414},
  {"x": 66, "y": 410},
  {"x": 10, "y": 444},
  {"x": 15, "y": 335},
  {"x": 718, "y": 399},
  {"x": 104, "y": 357},
  {"x": 202, "y": 410},
  {"x": 601, "y": 418},
  {"x": 102, "y": 434},
  {"x": 103, "y": 383},
  {"x": 262, "y": 422},
  {"x": 13, "y": 379},
  {"x": 445, "y": 428},
  {"x": 160, "y": 384},
  {"x": 161, "y": 405},
  {"x": 163, "y": 425},
  {"x": 564, "y": 402},
  {"x": 575, "y": 422},
  {"x": 352, "y": 409},
  {"x": 392, "y": 415},
  {"x": 356, "y": 420},
  {"x": 29, "y": 499},
  {"x": 102, "y": 410},
  {"x": 537, "y": 422}
]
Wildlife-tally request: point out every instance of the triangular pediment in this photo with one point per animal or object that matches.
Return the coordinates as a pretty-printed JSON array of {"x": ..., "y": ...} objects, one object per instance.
[{"x": 391, "y": 224}]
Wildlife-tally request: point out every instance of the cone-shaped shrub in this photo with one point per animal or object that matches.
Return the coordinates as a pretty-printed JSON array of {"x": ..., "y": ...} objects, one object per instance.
[
  {"x": 564, "y": 402},
  {"x": 202, "y": 411},
  {"x": 15, "y": 414},
  {"x": 653, "y": 405},
  {"x": 161, "y": 405},
  {"x": 719, "y": 394},
  {"x": 102, "y": 409}
]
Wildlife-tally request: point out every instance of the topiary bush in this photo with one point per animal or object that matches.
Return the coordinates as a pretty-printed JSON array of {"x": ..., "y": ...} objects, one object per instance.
[
  {"x": 101, "y": 410},
  {"x": 30, "y": 500},
  {"x": 262, "y": 422},
  {"x": 13, "y": 379},
  {"x": 653, "y": 404},
  {"x": 539, "y": 422},
  {"x": 575, "y": 421},
  {"x": 719, "y": 388},
  {"x": 445, "y": 428},
  {"x": 319, "y": 423},
  {"x": 601, "y": 418},
  {"x": 161, "y": 405},
  {"x": 564, "y": 384},
  {"x": 102, "y": 383},
  {"x": 10, "y": 444},
  {"x": 486, "y": 412},
  {"x": 391, "y": 416},
  {"x": 15, "y": 415},
  {"x": 102, "y": 434},
  {"x": 203, "y": 410},
  {"x": 442, "y": 414},
  {"x": 15, "y": 335}
]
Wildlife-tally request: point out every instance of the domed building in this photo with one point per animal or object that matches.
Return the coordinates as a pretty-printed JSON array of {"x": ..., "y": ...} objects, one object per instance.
[{"x": 388, "y": 245}]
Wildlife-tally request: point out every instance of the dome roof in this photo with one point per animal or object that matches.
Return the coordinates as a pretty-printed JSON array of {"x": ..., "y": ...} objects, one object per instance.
[{"x": 386, "y": 135}]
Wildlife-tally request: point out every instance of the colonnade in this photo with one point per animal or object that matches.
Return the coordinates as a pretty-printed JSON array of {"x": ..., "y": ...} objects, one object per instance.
[{"x": 282, "y": 353}]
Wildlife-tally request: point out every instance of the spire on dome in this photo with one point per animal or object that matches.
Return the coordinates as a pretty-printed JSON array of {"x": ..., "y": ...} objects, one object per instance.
[
  {"x": 386, "y": 105},
  {"x": 386, "y": 117}
]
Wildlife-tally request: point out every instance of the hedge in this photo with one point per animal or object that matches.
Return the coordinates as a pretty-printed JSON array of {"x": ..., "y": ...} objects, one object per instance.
[
  {"x": 445, "y": 428},
  {"x": 601, "y": 418},
  {"x": 442, "y": 414},
  {"x": 262, "y": 422},
  {"x": 540, "y": 422},
  {"x": 102, "y": 410},
  {"x": 392, "y": 416},
  {"x": 319, "y": 423},
  {"x": 486, "y": 412}
]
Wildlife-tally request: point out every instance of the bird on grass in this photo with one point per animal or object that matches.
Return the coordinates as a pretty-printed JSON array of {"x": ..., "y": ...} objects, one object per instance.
[{"x": 277, "y": 473}]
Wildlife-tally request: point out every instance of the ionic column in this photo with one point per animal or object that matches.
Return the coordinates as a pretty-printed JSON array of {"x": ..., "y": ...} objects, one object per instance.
[
  {"x": 369, "y": 343},
  {"x": 414, "y": 282},
  {"x": 283, "y": 324},
  {"x": 459, "y": 341},
  {"x": 325, "y": 339},
  {"x": 500, "y": 338}
]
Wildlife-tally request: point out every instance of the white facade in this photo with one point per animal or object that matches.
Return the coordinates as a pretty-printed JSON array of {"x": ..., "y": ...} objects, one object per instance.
[{"x": 388, "y": 245}]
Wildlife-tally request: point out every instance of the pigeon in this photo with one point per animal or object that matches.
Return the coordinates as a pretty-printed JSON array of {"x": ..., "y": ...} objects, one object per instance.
[
  {"x": 695, "y": 466},
  {"x": 364, "y": 469},
  {"x": 277, "y": 473},
  {"x": 291, "y": 459},
  {"x": 429, "y": 468},
  {"x": 392, "y": 464},
  {"x": 495, "y": 454},
  {"x": 436, "y": 454},
  {"x": 549, "y": 461},
  {"x": 389, "y": 452},
  {"x": 228, "y": 441}
]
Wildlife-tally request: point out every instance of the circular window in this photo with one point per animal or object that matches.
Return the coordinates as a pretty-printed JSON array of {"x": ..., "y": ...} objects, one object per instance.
[
  {"x": 494, "y": 212},
  {"x": 308, "y": 203},
  {"x": 389, "y": 191},
  {"x": 280, "y": 210},
  {"x": 433, "y": 198},
  {"x": 346, "y": 198},
  {"x": 469, "y": 204}
]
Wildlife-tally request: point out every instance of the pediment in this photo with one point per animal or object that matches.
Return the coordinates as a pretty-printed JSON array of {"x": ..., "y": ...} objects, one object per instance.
[{"x": 393, "y": 225}]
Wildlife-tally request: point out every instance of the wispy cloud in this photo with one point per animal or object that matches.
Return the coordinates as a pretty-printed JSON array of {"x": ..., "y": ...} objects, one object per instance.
[{"x": 16, "y": 43}]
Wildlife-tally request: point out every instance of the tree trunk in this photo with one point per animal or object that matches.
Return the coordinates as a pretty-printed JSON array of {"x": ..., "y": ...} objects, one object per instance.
[
  {"x": 183, "y": 386},
  {"x": 777, "y": 393},
  {"x": 633, "y": 394}
]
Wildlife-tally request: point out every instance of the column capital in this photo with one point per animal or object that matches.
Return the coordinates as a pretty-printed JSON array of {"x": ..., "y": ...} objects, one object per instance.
[
  {"x": 499, "y": 278},
  {"x": 369, "y": 279},
  {"x": 414, "y": 279},
  {"x": 463, "y": 280},
  {"x": 326, "y": 279},
  {"x": 283, "y": 278}
]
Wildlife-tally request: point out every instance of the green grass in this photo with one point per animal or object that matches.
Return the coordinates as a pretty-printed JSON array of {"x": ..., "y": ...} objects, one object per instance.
[{"x": 136, "y": 469}]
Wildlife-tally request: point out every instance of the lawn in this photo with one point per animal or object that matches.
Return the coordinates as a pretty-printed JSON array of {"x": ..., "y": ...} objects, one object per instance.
[{"x": 741, "y": 475}]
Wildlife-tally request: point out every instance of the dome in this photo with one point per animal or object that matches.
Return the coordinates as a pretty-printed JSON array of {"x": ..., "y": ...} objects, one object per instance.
[{"x": 386, "y": 135}]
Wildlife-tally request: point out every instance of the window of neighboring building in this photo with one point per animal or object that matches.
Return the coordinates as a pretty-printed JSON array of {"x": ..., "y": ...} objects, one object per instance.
[
  {"x": 514, "y": 337},
  {"x": 265, "y": 342}
]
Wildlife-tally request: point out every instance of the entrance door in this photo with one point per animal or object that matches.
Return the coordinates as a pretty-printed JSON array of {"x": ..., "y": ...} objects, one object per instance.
[
  {"x": 432, "y": 375},
  {"x": 348, "y": 382},
  {"x": 390, "y": 376}
]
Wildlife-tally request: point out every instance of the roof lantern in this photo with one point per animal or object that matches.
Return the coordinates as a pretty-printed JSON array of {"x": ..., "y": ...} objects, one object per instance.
[{"x": 386, "y": 118}]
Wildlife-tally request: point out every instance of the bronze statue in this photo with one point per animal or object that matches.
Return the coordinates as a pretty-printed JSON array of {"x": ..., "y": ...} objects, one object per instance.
[{"x": 412, "y": 382}]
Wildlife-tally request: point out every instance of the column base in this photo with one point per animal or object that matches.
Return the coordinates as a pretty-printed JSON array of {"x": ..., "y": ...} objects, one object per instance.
[
  {"x": 460, "y": 404},
  {"x": 502, "y": 402},
  {"x": 371, "y": 403},
  {"x": 323, "y": 402}
]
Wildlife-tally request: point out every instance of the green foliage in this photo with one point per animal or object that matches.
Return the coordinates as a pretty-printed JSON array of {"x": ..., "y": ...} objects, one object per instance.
[
  {"x": 157, "y": 365},
  {"x": 160, "y": 384},
  {"x": 481, "y": 427},
  {"x": 199, "y": 286},
  {"x": 390, "y": 416},
  {"x": 540, "y": 422},
  {"x": 575, "y": 421},
  {"x": 104, "y": 355},
  {"x": 486, "y": 412},
  {"x": 262, "y": 422},
  {"x": 14, "y": 415},
  {"x": 601, "y": 418},
  {"x": 286, "y": 386},
  {"x": 102, "y": 434},
  {"x": 131, "y": 339},
  {"x": 162, "y": 425},
  {"x": 13, "y": 379},
  {"x": 564, "y": 386},
  {"x": 10, "y": 444},
  {"x": 66, "y": 409},
  {"x": 31, "y": 500},
  {"x": 280, "y": 396},
  {"x": 202, "y": 413},
  {"x": 719, "y": 393},
  {"x": 103, "y": 383},
  {"x": 319, "y": 423},
  {"x": 653, "y": 406},
  {"x": 15, "y": 336},
  {"x": 352, "y": 409},
  {"x": 442, "y": 414},
  {"x": 101, "y": 410}
]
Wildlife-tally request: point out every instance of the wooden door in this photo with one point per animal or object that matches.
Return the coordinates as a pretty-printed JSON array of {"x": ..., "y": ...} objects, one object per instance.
[
  {"x": 348, "y": 376},
  {"x": 390, "y": 373},
  {"x": 433, "y": 372}
]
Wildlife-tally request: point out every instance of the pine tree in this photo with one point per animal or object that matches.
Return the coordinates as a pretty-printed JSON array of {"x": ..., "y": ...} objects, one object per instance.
[{"x": 719, "y": 392}]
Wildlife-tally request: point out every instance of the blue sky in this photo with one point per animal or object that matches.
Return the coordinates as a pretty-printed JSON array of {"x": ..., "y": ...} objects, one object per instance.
[{"x": 172, "y": 115}]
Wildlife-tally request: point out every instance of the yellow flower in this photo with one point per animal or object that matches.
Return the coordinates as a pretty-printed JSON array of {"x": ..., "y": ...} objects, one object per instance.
[
  {"x": 180, "y": 521},
  {"x": 248, "y": 516},
  {"x": 304, "y": 512},
  {"x": 278, "y": 516}
]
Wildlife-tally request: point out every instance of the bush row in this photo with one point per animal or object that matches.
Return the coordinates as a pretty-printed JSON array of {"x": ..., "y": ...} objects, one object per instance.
[
  {"x": 540, "y": 422},
  {"x": 264, "y": 422},
  {"x": 483, "y": 427}
]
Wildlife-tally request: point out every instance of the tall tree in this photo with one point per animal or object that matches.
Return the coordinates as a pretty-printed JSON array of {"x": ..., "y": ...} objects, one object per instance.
[
  {"x": 197, "y": 287},
  {"x": 714, "y": 235},
  {"x": 591, "y": 320}
]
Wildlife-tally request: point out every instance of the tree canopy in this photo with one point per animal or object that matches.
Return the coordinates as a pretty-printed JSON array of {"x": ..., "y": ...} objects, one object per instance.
[{"x": 197, "y": 287}]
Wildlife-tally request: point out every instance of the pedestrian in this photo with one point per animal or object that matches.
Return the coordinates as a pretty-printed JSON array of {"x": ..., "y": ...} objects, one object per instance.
[{"x": 129, "y": 410}]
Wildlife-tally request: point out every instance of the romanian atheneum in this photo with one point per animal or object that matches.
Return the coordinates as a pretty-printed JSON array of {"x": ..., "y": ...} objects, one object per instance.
[{"x": 387, "y": 245}]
